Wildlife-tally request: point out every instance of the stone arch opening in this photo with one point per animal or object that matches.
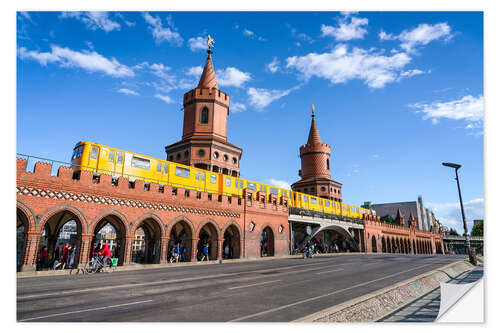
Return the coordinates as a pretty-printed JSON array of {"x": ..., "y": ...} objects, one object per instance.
[
  {"x": 61, "y": 230},
  {"x": 374, "y": 244},
  {"x": 208, "y": 235},
  {"x": 338, "y": 237},
  {"x": 146, "y": 248},
  {"x": 111, "y": 230},
  {"x": 384, "y": 247},
  {"x": 267, "y": 242},
  {"x": 401, "y": 246},
  {"x": 22, "y": 226},
  {"x": 180, "y": 235},
  {"x": 231, "y": 245}
]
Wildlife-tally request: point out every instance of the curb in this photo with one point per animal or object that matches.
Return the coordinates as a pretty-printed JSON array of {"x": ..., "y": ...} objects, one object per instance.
[{"x": 376, "y": 305}]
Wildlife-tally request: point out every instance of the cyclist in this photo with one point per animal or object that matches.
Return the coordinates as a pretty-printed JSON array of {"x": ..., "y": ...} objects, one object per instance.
[{"x": 105, "y": 253}]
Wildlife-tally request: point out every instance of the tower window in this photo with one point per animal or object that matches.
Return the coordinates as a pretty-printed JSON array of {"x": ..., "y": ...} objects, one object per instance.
[
  {"x": 204, "y": 116},
  {"x": 201, "y": 153},
  {"x": 225, "y": 157},
  {"x": 323, "y": 189},
  {"x": 216, "y": 154},
  {"x": 234, "y": 160},
  {"x": 327, "y": 164}
]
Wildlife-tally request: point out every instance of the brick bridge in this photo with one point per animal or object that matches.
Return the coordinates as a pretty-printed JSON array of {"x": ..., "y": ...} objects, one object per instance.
[{"x": 169, "y": 215}]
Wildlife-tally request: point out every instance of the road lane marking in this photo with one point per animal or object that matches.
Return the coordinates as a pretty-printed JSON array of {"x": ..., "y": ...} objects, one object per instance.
[
  {"x": 86, "y": 310},
  {"x": 252, "y": 285},
  {"x": 153, "y": 283},
  {"x": 333, "y": 270},
  {"x": 325, "y": 295}
]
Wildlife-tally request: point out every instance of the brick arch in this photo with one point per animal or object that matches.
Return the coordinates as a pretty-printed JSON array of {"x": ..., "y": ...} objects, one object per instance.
[
  {"x": 149, "y": 215},
  {"x": 30, "y": 215},
  {"x": 59, "y": 208},
  {"x": 230, "y": 223},
  {"x": 206, "y": 221},
  {"x": 265, "y": 225},
  {"x": 181, "y": 218},
  {"x": 108, "y": 212},
  {"x": 270, "y": 244}
]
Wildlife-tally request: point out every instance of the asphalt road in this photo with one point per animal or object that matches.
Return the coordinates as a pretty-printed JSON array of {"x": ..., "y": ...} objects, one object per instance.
[{"x": 259, "y": 291}]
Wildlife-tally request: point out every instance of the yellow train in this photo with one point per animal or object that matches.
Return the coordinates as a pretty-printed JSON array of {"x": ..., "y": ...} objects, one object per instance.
[{"x": 102, "y": 159}]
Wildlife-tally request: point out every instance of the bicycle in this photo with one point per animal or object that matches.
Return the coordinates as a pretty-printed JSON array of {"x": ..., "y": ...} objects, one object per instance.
[{"x": 98, "y": 264}]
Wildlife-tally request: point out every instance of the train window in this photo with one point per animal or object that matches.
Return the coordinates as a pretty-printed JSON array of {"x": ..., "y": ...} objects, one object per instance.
[
  {"x": 305, "y": 198},
  {"x": 252, "y": 186},
  {"x": 158, "y": 167},
  {"x": 111, "y": 156},
  {"x": 119, "y": 158},
  {"x": 299, "y": 197},
  {"x": 273, "y": 190},
  {"x": 241, "y": 184},
  {"x": 197, "y": 175},
  {"x": 327, "y": 203},
  {"x": 182, "y": 172},
  {"x": 202, "y": 176},
  {"x": 236, "y": 183},
  {"x": 314, "y": 201},
  {"x": 213, "y": 179},
  {"x": 94, "y": 152},
  {"x": 320, "y": 202},
  {"x": 77, "y": 152},
  {"x": 165, "y": 169},
  {"x": 142, "y": 163},
  {"x": 228, "y": 181}
]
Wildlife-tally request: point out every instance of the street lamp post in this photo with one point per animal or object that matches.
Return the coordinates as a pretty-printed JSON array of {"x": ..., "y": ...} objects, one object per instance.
[{"x": 467, "y": 239}]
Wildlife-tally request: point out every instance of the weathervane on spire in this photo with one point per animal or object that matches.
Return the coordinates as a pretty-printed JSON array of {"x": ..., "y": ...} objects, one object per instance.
[
  {"x": 312, "y": 108},
  {"x": 210, "y": 42}
]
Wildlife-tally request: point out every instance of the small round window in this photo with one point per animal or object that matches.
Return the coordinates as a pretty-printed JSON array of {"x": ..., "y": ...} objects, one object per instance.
[
  {"x": 234, "y": 160},
  {"x": 201, "y": 153},
  {"x": 323, "y": 189},
  {"x": 225, "y": 157},
  {"x": 216, "y": 154}
]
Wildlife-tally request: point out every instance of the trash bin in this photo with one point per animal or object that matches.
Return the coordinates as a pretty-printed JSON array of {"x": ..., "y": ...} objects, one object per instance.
[{"x": 114, "y": 261}]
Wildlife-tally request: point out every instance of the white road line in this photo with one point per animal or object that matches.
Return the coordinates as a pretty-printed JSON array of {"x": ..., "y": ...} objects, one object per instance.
[
  {"x": 252, "y": 285},
  {"x": 333, "y": 270},
  {"x": 153, "y": 283},
  {"x": 325, "y": 295},
  {"x": 87, "y": 310}
]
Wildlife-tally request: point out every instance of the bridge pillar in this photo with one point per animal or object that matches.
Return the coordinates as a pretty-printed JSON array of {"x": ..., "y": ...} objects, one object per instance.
[
  {"x": 194, "y": 248},
  {"x": 30, "y": 252},
  {"x": 127, "y": 256},
  {"x": 164, "y": 249},
  {"x": 85, "y": 249}
]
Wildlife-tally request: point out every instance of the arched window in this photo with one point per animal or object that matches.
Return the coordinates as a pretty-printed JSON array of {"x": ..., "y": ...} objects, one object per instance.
[
  {"x": 204, "y": 116},
  {"x": 327, "y": 164}
]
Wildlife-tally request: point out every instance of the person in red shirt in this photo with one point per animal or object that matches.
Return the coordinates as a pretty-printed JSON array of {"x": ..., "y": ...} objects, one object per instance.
[
  {"x": 105, "y": 253},
  {"x": 65, "y": 255}
]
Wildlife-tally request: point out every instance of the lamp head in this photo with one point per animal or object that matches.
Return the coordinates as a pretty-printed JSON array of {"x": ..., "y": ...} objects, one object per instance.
[{"x": 452, "y": 165}]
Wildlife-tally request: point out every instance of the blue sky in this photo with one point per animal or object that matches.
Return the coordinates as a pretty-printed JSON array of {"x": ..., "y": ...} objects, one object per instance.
[{"x": 395, "y": 93}]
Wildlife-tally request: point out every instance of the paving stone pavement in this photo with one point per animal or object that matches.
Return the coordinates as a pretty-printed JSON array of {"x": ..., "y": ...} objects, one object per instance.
[{"x": 426, "y": 308}]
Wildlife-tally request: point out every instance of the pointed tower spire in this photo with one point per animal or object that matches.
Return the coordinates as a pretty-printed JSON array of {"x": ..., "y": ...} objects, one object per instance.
[
  {"x": 399, "y": 217},
  {"x": 314, "y": 137},
  {"x": 208, "y": 79}
]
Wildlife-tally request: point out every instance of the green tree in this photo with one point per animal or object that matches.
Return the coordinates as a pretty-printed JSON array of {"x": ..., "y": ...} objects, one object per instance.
[
  {"x": 387, "y": 219},
  {"x": 453, "y": 232},
  {"x": 477, "y": 230}
]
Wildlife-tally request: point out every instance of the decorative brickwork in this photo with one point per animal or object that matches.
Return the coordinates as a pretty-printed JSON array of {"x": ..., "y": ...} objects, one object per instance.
[{"x": 49, "y": 201}]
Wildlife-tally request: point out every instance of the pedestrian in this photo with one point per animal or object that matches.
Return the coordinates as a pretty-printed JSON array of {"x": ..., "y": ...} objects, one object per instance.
[
  {"x": 175, "y": 253},
  {"x": 71, "y": 256},
  {"x": 65, "y": 254},
  {"x": 205, "y": 252},
  {"x": 226, "y": 251},
  {"x": 43, "y": 258}
]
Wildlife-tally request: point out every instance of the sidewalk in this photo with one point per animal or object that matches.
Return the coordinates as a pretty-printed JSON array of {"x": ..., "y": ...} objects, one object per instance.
[{"x": 426, "y": 308}]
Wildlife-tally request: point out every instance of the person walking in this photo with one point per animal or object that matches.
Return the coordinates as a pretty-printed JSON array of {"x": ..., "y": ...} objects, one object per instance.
[
  {"x": 44, "y": 256},
  {"x": 205, "y": 252},
  {"x": 71, "y": 256}
]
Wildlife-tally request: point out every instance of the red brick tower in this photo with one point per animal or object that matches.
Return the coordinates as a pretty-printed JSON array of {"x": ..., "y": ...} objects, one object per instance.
[
  {"x": 399, "y": 218},
  {"x": 204, "y": 138},
  {"x": 315, "y": 168}
]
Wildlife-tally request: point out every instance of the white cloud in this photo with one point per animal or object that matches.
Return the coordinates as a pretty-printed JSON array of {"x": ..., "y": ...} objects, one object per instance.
[
  {"x": 249, "y": 33},
  {"x": 279, "y": 183},
  {"x": 128, "y": 92},
  {"x": 260, "y": 98},
  {"x": 449, "y": 214},
  {"x": 94, "y": 20},
  {"x": 197, "y": 44},
  {"x": 341, "y": 65},
  {"x": 127, "y": 23},
  {"x": 238, "y": 107},
  {"x": 91, "y": 61},
  {"x": 161, "y": 33},
  {"x": 232, "y": 77},
  {"x": 164, "y": 98},
  {"x": 413, "y": 72},
  {"x": 273, "y": 66},
  {"x": 423, "y": 34},
  {"x": 195, "y": 71},
  {"x": 346, "y": 30},
  {"x": 468, "y": 108}
]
